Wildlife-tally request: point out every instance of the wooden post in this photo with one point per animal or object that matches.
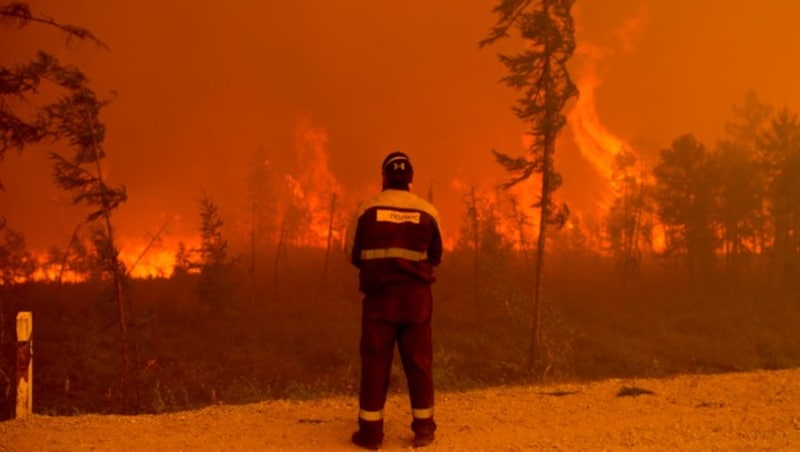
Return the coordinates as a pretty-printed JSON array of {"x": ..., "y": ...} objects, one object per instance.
[{"x": 24, "y": 364}]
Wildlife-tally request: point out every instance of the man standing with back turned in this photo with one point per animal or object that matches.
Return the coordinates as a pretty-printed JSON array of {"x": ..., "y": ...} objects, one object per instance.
[{"x": 395, "y": 244}]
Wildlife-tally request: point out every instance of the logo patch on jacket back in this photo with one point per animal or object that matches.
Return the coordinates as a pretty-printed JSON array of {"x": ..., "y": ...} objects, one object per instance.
[{"x": 396, "y": 216}]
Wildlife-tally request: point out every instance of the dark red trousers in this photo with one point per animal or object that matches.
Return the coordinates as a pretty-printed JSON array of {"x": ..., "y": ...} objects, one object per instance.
[{"x": 398, "y": 314}]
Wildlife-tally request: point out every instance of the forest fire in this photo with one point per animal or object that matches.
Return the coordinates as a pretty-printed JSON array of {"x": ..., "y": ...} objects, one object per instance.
[
  {"x": 309, "y": 207},
  {"x": 50, "y": 274},
  {"x": 308, "y": 212},
  {"x": 311, "y": 198},
  {"x": 142, "y": 260},
  {"x": 250, "y": 134},
  {"x": 154, "y": 259},
  {"x": 598, "y": 145}
]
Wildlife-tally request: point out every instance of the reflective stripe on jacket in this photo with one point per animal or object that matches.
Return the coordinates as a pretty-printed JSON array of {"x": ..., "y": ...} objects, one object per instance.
[{"x": 395, "y": 239}]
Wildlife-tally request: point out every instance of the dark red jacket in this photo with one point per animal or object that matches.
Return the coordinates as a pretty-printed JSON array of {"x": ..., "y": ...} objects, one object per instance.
[{"x": 396, "y": 239}]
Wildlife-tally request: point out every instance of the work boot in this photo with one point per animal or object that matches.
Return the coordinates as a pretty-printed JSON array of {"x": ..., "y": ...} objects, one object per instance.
[
  {"x": 423, "y": 431},
  {"x": 369, "y": 434}
]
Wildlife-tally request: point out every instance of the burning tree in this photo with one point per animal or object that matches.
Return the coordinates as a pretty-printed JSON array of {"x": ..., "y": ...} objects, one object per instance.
[
  {"x": 628, "y": 222},
  {"x": 540, "y": 73}
]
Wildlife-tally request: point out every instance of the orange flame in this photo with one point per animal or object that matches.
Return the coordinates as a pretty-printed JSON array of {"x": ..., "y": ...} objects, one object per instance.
[
  {"x": 597, "y": 144},
  {"x": 52, "y": 273},
  {"x": 153, "y": 259},
  {"x": 315, "y": 186},
  {"x": 142, "y": 259}
]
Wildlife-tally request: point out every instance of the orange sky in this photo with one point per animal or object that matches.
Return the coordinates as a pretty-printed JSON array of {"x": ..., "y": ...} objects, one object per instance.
[{"x": 201, "y": 84}]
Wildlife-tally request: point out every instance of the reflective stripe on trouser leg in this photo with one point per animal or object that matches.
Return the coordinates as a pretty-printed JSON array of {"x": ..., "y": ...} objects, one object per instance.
[
  {"x": 370, "y": 415},
  {"x": 422, "y": 413}
]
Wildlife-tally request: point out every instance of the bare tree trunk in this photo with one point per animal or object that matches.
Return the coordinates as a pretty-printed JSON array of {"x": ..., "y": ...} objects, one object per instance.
[
  {"x": 5, "y": 379},
  {"x": 123, "y": 312},
  {"x": 279, "y": 248},
  {"x": 535, "y": 352},
  {"x": 253, "y": 237},
  {"x": 476, "y": 250},
  {"x": 331, "y": 213},
  {"x": 72, "y": 238},
  {"x": 631, "y": 246},
  {"x": 132, "y": 337},
  {"x": 118, "y": 290},
  {"x": 519, "y": 220}
]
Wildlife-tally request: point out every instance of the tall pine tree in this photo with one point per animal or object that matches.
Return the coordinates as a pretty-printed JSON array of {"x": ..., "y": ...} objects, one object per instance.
[{"x": 540, "y": 74}]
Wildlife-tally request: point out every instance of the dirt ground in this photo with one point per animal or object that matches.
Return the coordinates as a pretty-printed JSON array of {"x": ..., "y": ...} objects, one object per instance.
[{"x": 745, "y": 411}]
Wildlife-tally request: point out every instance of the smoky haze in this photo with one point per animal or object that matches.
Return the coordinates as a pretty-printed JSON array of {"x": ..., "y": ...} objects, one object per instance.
[
  {"x": 199, "y": 86},
  {"x": 684, "y": 261}
]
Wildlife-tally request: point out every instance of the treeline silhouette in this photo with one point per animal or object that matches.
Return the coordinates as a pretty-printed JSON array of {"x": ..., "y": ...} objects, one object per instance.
[{"x": 197, "y": 342}]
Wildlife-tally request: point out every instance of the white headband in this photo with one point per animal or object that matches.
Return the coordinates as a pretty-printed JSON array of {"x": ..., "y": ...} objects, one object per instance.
[{"x": 394, "y": 159}]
